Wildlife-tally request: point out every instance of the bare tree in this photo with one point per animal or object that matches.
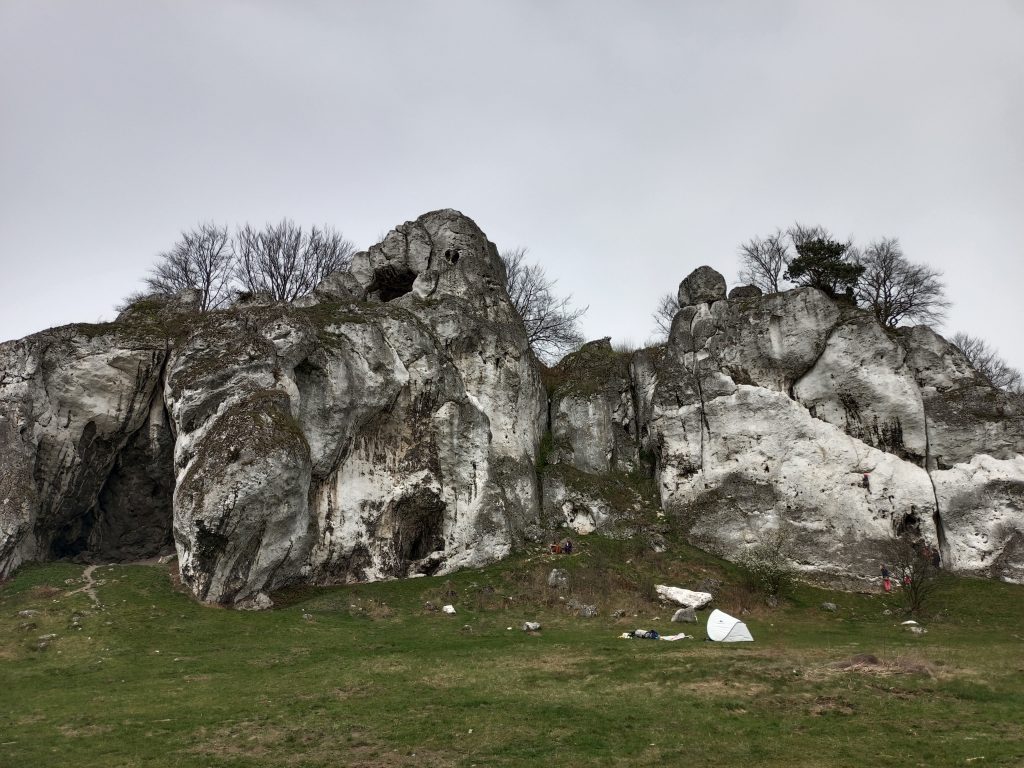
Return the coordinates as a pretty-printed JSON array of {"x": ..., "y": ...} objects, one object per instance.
[
  {"x": 916, "y": 571},
  {"x": 799, "y": 234},
  {"x": 763, "y": 260},
  {"x": 986, "y": 360},
  {"x": 552, "y": 323},
  {"x": 286, "y": 262},
  {"x": 897, "y": 289},
  {"x": 203, "y": 260},
  {"x": 668, "y": 306}
]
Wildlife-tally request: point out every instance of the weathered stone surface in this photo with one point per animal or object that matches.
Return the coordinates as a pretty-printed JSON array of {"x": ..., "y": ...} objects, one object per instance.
[
  {"x": 966, "y": 416},
  {"x": 389, "y": 426},
  {"x": 684, "y": 597},
  {"x": 861, "y": 384},
  {"x": 703, "y": 285},
  {"x": 70, "y": 401},
  {"x": 386, "y": 426},
  {"x": 745, "y": 292},
  {"x": 685, "y": 616},
  {"x": 769, "y": 412},
  {"x": 593, "y": 410}
]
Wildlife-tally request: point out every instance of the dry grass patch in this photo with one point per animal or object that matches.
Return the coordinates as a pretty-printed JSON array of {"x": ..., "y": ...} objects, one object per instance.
[
  {"x": 272, "y": 744},
  {"x": 44, "y": 591},
  {"x": 869, "y": 664}
]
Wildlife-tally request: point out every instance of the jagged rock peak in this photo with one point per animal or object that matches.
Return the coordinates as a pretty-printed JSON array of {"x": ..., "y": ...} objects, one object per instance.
[
  {"x": 441, "y": 252},
  {"x": 702, "y": 286}
]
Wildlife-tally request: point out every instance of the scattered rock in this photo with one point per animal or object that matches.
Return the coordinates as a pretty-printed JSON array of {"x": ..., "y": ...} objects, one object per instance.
[
  {"x": 829, "y": 607},
  {"x": 50, "y": 636},
  {"x": 657, "y": 542},
  {"x": 588, "y": 611},
  {"x": 429, "y": 606},
  {"x": 307, "y": 616},
  {"x": 28, "y": 613},
  {"x": 531, "y": 626},
  {"x": 685, "y": 615},
  {"x": 684, "y": 597},
  {"x": 558, "y": 578},
  {"x": 449, "y": 609},
  {"x": 745, "y": 292},
  {"x": 167, "y": 558},
  {"x": 703, "y": 285},
  {"x": 618, "y": 614}
]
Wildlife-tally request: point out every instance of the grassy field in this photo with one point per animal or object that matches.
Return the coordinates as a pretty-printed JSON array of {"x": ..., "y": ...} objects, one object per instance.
[{"x": 367, "y": 676}]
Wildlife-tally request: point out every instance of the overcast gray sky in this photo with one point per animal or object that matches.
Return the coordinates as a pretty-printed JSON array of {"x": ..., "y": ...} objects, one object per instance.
[{"x": 623, "y": 143}]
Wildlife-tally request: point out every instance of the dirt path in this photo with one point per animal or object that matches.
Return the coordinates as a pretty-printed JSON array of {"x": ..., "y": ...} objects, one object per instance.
[{"x": 90, "y": 586}]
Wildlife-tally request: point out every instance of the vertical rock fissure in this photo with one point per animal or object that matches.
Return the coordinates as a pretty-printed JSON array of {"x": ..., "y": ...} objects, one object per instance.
[
  {"x": 704, "y": 425},
  {"x": 940, "y": 532}
]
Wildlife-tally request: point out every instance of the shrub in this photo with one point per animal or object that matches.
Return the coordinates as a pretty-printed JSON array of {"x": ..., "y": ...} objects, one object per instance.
[{"x": 767, "y": 566}]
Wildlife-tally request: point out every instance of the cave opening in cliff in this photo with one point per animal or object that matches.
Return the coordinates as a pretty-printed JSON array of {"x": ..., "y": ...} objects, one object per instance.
[
  {"x": 417, "y": 524},
  {"x": 390, "y": 282},
  {"x": 131, "y": 517},
  {"x": 909, "y": 524}
]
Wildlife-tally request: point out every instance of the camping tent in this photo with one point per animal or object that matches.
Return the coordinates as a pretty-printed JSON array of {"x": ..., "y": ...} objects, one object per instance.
[{"x": 726, "y": 629}]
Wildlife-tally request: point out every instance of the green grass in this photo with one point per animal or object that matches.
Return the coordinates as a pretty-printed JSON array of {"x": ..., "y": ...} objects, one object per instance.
[{"x": 364, "y": 675}]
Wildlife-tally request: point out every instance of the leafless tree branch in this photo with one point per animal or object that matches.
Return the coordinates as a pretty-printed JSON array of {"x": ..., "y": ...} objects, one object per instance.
[
  {"x": 897, "y": 289},
  {"x": 202, "y": 260},
  {"x": 986, "y": 360},
  {"x": 552, "y": 323},
  {"x": 286, "y": 262}
]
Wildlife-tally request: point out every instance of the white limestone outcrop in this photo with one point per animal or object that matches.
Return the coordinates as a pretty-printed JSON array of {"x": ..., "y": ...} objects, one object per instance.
[
  {"x": 386, "y": 426},
  {"x": 799, "y": 410}
]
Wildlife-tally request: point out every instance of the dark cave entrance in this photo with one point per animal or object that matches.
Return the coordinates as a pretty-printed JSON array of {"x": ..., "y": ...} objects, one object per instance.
[
  {"x": 909, "y": 524},
  {"x": 418, "y": 523},
  {"x": 391, "y": 282},
  {"x": 131, "y": 516}
]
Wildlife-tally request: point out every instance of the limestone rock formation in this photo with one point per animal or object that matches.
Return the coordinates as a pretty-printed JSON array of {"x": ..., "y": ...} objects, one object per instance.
[
  {"x": 798, "y": 410},
  {"x": 703, "y": 285},
  {"x": 745, "y": 292},
  {"x": 391, "y": 424},
  {"x": 385, "y": 426}
]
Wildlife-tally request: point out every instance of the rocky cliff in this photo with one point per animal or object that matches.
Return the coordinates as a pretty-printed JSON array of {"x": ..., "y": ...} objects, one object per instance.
[
  {"x": 392, "y": 424},
  {"x": 799, "y": 410},
  {"x": 385, "y": 427}
]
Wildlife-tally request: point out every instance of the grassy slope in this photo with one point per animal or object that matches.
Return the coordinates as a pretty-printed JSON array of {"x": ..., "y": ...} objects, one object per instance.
[{"x": 371, "y": 678}]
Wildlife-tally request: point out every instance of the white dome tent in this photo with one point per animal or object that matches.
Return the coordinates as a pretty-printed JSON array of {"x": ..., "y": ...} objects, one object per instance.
[{"x": 724, "y": 628}]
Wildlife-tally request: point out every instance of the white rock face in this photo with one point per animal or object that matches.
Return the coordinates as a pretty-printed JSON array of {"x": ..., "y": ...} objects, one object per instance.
[
  {"x": 769, "y": 411},
  {"x": 386, "y": 426},
  {"x": 70, "y": 401},
  {"x": 593, "y": 413},
  {"x": 389, "y": 426},
  {"x": 684, "y": 597},
  {"x": 981, "y": 504}
]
